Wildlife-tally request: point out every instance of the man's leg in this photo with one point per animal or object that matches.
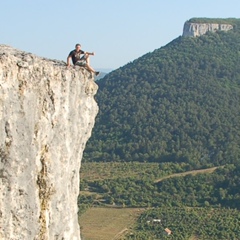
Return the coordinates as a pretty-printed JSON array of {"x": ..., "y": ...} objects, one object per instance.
[{"x": 87, "y": 59}]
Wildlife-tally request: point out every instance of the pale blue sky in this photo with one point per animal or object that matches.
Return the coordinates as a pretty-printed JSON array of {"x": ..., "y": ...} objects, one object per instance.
[{"x": 118, "y": 31}]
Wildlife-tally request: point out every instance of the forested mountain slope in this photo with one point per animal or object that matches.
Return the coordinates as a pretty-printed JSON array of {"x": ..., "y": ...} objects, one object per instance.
[{"x": 179, "y": 103}]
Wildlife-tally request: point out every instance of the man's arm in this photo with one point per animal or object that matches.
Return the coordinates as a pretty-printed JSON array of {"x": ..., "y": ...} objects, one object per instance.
[{"x": 88, "y": 53}]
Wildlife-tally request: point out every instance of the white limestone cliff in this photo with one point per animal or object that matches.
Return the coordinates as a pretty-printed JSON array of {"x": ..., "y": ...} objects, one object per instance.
[
  {"x": 197, "y": 29},
  {"x": 47, "y": 113}
]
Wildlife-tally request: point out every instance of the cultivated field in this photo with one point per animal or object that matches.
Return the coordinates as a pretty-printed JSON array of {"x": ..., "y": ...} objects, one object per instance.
[{"x": 107, "y": 223}]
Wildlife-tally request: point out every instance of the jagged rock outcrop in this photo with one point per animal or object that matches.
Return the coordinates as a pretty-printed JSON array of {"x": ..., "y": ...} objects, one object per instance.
[
  {"x": 197, "y": 29},
  {"x": 47, "y": 113}
]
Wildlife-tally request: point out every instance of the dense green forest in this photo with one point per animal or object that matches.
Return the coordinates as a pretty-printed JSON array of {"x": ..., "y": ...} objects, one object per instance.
[{"x": 179, "y": 103}]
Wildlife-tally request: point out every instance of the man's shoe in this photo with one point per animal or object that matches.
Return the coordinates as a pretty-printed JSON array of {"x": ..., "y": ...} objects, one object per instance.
[{"x": 97, "y": 73}]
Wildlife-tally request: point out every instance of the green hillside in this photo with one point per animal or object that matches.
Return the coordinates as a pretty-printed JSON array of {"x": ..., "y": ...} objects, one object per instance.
[{"x": 179, "y": 103}]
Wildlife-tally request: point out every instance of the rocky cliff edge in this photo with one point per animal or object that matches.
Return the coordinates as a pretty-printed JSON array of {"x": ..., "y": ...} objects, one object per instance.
[
  {"x": 47, "y": 113},
  {"x": 191, "y": 29}
]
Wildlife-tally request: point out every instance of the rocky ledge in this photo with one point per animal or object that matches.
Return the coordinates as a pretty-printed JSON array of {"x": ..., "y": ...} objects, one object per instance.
[{"x": 47, "y": 113}]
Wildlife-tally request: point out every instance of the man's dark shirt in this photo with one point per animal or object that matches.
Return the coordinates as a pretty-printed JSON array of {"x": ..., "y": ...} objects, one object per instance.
[{"x": 76, "y": 56}]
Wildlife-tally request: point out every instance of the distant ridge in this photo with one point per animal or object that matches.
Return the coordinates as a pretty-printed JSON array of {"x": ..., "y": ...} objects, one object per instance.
[{"x": 232, "y": 21}]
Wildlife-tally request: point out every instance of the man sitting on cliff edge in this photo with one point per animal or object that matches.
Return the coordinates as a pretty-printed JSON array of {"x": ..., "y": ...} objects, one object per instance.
[{"x": 83, "y": 61}]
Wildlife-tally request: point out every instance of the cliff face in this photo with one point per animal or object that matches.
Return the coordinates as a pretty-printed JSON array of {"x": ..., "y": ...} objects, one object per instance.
[
  {"x": 198, "y": 29},
  {"x": 46, "y": 116}
]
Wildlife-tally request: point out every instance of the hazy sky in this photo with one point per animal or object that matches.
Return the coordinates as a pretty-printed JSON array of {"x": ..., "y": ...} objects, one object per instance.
[{"x": 118, "y": 31}]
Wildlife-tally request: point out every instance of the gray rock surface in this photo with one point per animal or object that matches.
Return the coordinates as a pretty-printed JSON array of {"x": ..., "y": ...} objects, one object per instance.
[
  {"x": 198, "y": 29},
  {"x": 47, "y": 113}
]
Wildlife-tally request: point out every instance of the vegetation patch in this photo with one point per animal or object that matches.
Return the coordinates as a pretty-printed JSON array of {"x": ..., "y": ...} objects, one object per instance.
[
  {"x": 188, "y": 224},
  {"x": 188, "y": 195}
]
